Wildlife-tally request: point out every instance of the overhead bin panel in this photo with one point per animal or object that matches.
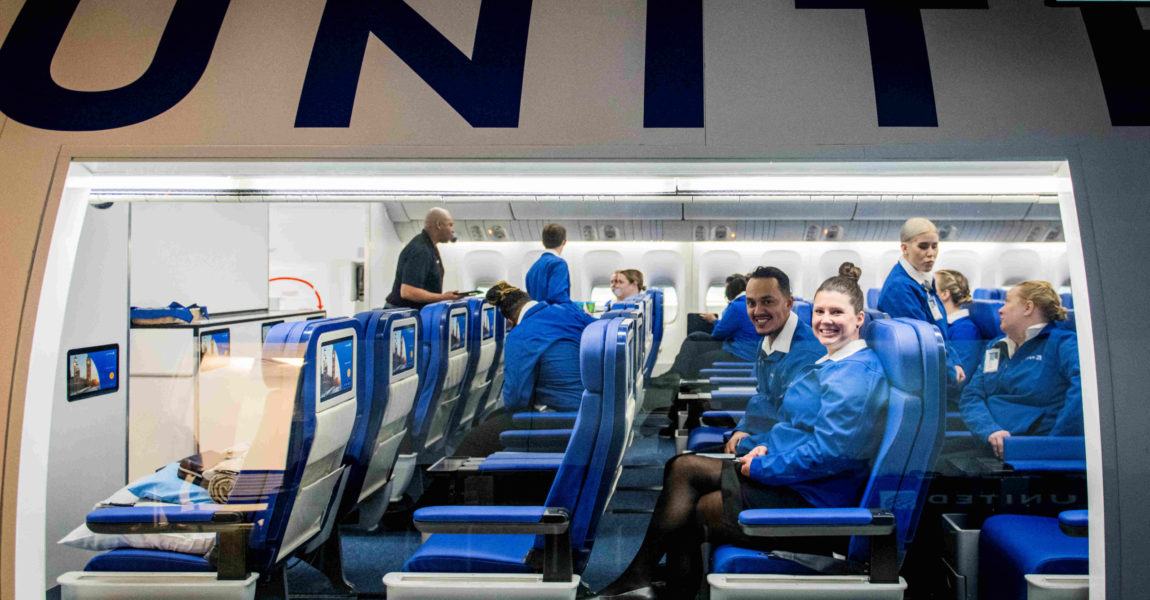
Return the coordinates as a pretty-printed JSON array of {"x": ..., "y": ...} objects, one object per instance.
[
  {"x": 477, "y": 209},
  {"x": 601, "y": 209},
  {"x": 895, "y": 208},
  {"x": 791, "y": 209}
]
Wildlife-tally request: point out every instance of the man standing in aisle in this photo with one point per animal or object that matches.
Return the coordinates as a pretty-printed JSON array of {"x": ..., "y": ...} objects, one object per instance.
[
  {"x": 419, "y": 271},
  {"x": 548, "y": 280}
]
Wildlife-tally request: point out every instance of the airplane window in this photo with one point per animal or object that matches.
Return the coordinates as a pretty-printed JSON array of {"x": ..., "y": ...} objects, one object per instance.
[
  {"x": 601, "y": 295},
  {"x": 716, "y": 299},
  {"x": 670, "y": 302}
]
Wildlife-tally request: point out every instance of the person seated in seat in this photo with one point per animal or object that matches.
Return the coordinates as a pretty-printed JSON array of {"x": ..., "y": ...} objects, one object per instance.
[
  {"x": 831, "y": 422},
  {"x": 549, "y": 280},
  {"x": 965, "y": 339},
  {"x": 626, "y": 285},
  {"x": 909, "y": 289},
  {"x": 733, "y": 338},
  {"x": 541, "y": 363},
  {"x": 1028, "y": 382},
  {"x": 788, "y": 348}
]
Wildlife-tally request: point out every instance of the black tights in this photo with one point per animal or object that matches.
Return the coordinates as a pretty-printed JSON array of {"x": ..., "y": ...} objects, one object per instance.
[{"x": 691, "y": 504}]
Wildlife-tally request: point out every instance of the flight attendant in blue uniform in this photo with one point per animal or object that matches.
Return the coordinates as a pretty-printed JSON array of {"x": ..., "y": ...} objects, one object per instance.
[
  {"x": 788, "y": 347},
  {"x": 830, "y": 427},
  {"x": 965, "y": 339},
  {"x": 541, "y": 363},
  {"x": 549, "y": 280},
  {"x": 1028, "y": 383},
  {"x": 909, "y": 288}
]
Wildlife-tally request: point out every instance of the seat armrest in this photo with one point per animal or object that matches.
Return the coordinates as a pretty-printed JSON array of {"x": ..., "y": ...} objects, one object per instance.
[
  {"x": 734, "y": 380},
  {"x": 544, "y": 420},
  {"x": 733, "y": 393},
  {"x": 733, "y": 364},
  {"x": 802, "y": 522},
  {"x": 181, "y": 518},
  {"x": 1041, "y": 447},
  {"x": 1075, "y": 523},
  {"x": 1055, "y": 465},
  {"x": 491, "y": 519},
  {"x": 721, "y": 418}
]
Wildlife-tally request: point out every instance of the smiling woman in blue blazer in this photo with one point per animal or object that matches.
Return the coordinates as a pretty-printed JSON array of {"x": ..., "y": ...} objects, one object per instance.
[{"x": 1028, "y": 383}]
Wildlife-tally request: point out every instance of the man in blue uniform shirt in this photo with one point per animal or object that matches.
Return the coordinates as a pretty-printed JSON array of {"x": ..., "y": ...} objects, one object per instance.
[
  {"x": 419, "y": 270},
  {"x": 788, "y": 348},
  {"x": 548, "y": 280},
  {"x": 1028, "y": 383}
]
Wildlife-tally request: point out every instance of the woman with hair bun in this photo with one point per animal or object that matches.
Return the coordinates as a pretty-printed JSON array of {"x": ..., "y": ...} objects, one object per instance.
[
  {"x": 830, "y": 425},
  {"x": 1028, "y": 383},
  {"x": 909, "y": 289},
  {"x": 541, "y": 362},
  {"x": 965, "y": 339}
]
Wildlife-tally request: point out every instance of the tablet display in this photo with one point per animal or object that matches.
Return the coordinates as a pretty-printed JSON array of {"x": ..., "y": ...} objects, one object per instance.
[
  {"x": 488, "y": 322},
  {"x": 458, "y": 330},
  {"x": 336, "y": 368},
  {"x": 92, "y": 371},
  {"x": 402, "y": 349}
]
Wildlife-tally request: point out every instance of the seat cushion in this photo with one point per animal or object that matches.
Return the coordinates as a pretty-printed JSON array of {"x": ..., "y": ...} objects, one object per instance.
[
  {"x": 1011, "y": 546},
  {"x": 154, "y": 561},
  {"x": 706, "y": 438},
  {"x": 479, "y": 553},
  {"x": 735, "y": 560}
]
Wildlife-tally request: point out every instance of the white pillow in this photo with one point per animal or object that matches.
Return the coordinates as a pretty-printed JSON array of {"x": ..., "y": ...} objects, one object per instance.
[{"x": 185, "y": 543}]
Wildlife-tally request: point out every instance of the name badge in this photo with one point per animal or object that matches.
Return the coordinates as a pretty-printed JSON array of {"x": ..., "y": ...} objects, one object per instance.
[
  {"x": 935, "y": 313},
  {"x": 990, "y": 361}
]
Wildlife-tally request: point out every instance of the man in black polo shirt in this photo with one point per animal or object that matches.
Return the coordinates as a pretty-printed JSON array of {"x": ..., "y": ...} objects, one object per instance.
[{"x": 419, "y": 272}]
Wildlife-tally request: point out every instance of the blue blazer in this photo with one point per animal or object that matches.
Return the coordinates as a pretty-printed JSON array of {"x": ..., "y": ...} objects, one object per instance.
[
  {"x": 548, "y": 280},
  {"x": 775, "y": 372},
  {"x": 734, "y": 328},
  {"x": 830, "y": 427},
  {"x": 1035, "y": 392},
  {"x": 902, "y": 296},
  {"x": 967, "y": 344},
  {"x": 541, "y": 358}
]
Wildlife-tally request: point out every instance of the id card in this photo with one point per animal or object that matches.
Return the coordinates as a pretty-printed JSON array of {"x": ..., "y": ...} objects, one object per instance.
[
  {"x": 935, "y": 313},
  {"x": 990, "y": 361}
]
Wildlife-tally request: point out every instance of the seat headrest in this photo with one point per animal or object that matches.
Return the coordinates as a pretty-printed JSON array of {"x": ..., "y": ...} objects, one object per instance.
[
  {"x": 803, "y": 309},
  {"x": 984, "y": 314},
  {"x": 591, "y": 355},
  {"x": 900, "y": 353}
]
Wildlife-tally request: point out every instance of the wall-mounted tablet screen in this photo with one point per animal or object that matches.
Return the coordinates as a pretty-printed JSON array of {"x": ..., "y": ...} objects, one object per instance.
[
  {"x": 336, "y": 367},
  {"x": 458, "y": 330},
  {"x": 92, "y": 371},
  {"x": 402, "y": 349},
  {"x": 215, "y": 348},
  {"x": 488, "y": 322},
  {"x": 265, "y": 328}
]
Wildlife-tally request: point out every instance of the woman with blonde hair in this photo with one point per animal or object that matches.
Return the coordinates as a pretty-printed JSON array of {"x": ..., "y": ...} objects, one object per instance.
[
  {"x": 627, "y": 284},
  {"x": 909, "y": 288},
  {"x": 1028, "y": 383}
]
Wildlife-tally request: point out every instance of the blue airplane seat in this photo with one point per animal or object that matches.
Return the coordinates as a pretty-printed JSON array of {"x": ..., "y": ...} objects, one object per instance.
[
  {"x": 655, "y": 300},
  {"x": 444, "y": 332},
  {"x": 912, "y": 355},
  {"x": 1067, "y": 300},
  {"x": 1010, "y": 547},
  {"x": 559, "y": 535},
  {"x": 989, "y": 294},
  {"x": 279, "y": 506},
  {"x": 802, "y": 308},
  {"x": 484, "y": 355},
  {"x": 548, "y": 431},
  {"x": 872, "y": 297},
  {"x": 491, "y": 401},
  {"x": 390, "y": 376},
  {"x": 984, "y": 314}
]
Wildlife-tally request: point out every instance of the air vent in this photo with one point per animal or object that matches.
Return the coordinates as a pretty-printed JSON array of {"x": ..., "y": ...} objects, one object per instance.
[
  {"x": 610, "y": 233},
  {"x": 497, "y": 232},
  {"x": 1054, "y": 233},
  {"x": 720, "y": 233},
  {"x": 812, "y": 233},
  {"x": 588, "y": 233},
  {"x": 1037, "y": 233},
  {"x": 476, "y": 233},
  {"x": 700, "y": 233},
  {"x": 833, "y": 233}
]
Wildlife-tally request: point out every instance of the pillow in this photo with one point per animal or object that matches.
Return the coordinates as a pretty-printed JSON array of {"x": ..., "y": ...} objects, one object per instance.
[
  {"x": 165, "y": 485},
  {"x": 185, "y": 543}
]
